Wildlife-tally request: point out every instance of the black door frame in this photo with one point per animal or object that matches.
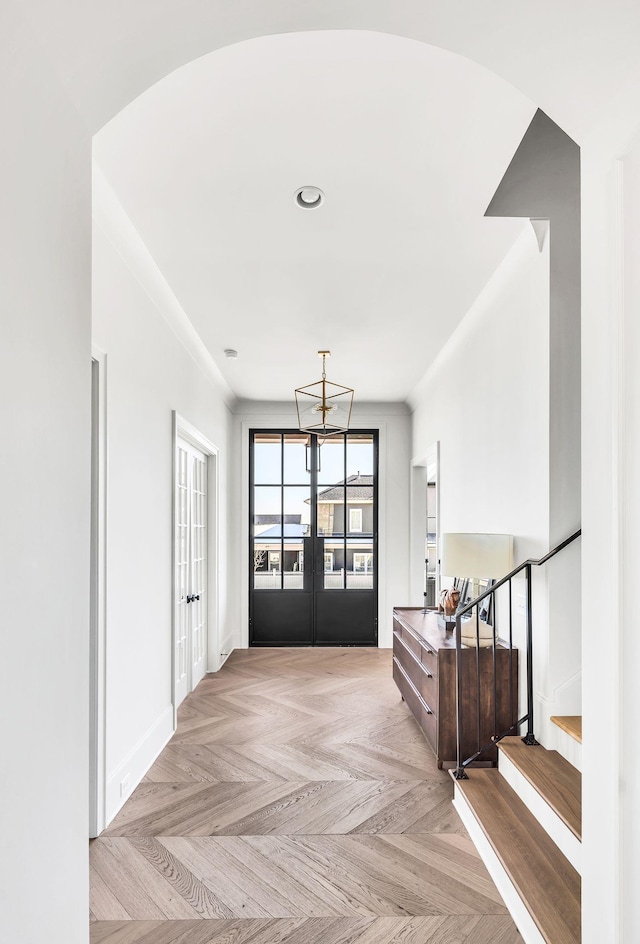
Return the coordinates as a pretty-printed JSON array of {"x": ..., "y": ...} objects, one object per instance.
[{"x": 313, "y": 566}]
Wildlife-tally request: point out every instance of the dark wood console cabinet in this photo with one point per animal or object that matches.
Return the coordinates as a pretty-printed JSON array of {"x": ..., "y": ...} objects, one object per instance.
[{"x": 424, "y": 669}]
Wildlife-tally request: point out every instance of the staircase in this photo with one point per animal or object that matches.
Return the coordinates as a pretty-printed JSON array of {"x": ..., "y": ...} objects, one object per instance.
[
  {"x": 569, "y": 737},
  {"x": 525, "y": 820}
]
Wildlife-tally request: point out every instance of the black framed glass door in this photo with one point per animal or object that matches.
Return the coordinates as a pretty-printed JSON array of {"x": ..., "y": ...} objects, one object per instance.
[{"x": 313, "y": 510}]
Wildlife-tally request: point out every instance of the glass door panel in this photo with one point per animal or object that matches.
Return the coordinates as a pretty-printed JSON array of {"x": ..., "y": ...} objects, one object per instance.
[
  {"x": 360, "y": 509},
  {"x": 296, "y": 459},
  {"x": 331, "y": 461},
  {"x": 267, "y": 459},
  {"x": 267, "y": 537},
  {"x": 360, "y": 457},
  {"x": 297, "y": 510},
  {"x": 360, "y": 565},
  {"x": 333, "y": 564},
  {"x": 330, "y": 510}
]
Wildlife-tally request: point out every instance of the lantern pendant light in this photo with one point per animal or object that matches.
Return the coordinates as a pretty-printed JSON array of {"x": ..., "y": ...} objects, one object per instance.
[{"x": 324, "y": 408}]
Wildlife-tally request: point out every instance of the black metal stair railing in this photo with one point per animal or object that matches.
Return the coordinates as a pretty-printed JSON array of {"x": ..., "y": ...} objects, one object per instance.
[{"x": 529, "y": 738}]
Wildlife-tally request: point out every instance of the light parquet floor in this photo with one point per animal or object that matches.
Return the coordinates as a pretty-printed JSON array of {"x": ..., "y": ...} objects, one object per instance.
[{"x": 297, "y": 803}]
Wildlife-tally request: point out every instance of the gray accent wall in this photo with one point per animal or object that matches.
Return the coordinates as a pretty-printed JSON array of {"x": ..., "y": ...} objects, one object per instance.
[{"x": 543, "y": 182}]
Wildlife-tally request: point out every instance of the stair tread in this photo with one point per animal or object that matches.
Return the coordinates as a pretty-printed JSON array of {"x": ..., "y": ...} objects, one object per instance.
[
  {"x": 547, "y": 883},
  {"x": 572, "y": 724},
  {"x": 556, "y": 780}
]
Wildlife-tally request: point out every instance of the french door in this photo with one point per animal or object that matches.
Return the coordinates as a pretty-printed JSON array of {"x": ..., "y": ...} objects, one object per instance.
[
  {"x": 313, "y": 539},
  {"x": 190, "y": 555}
]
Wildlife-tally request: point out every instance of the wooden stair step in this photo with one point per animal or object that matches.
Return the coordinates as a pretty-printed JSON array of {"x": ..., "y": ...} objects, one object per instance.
[
  {"x": 546, "y": 882},
  {"x": 556, "y": 780},
  {"x": 572, "y": 724}
]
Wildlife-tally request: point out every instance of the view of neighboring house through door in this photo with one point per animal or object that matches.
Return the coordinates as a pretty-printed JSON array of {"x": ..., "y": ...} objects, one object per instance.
[
  {"x": 313, "y": 538},
  {"x": 190, "y": 562}
]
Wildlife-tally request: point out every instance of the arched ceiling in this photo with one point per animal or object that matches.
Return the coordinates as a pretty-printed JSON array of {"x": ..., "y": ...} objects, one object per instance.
[
  {"x": 408, "y": 143},
  {"x": 568, "y": 57}
]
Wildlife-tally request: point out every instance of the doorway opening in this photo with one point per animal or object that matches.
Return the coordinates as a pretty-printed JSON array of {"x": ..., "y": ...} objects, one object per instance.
[
  {"x": 313, "y": 509},
  {"x": 425, "y": 528},
  {"x": 432, "y": 555}
]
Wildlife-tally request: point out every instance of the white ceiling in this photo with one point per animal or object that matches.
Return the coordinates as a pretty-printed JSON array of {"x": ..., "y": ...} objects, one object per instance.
[{"x": 407, "y": 141}]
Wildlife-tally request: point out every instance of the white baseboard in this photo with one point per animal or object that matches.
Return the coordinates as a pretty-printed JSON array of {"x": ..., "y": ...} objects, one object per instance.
[
  {"x": 567, "y": 843},
  {"x": 137, "y": 762},
  {"x": 524, "y": 922}
]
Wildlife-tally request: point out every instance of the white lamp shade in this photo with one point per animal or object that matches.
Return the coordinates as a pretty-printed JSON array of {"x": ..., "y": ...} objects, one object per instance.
[{"x": 476, "y": 555}]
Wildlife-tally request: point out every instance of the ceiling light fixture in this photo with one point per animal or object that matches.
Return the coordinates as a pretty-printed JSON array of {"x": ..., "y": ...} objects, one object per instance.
[
  {"x": 309, "y": 197},
  {"x": 324, "y": 408}
]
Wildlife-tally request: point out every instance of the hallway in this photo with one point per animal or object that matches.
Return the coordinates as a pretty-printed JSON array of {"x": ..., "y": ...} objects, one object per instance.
[{"x": 297, "y": 803}]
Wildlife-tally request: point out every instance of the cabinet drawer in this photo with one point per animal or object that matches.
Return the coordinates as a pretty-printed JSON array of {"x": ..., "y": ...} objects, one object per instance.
[
  {"x": 407, "y": 691},
  {"x": 429, "y": 688},
  {"x": 421, "y": 674},
  {"x": 412, "y": 643},
  {"x": 421, "y": 651},
  {"x": 429, "y": 724},
  {"x": 421, "y": 711},
  {"x": 409, "y": 661}
]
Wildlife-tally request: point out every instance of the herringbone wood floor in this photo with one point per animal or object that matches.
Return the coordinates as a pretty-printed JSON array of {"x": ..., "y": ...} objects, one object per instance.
[{"x": 297, "y": 803}]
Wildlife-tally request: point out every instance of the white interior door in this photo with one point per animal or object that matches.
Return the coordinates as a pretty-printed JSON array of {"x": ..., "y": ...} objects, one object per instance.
[
  {"x": 198, "y": 568},
  {"x": 190, "y": 568}
]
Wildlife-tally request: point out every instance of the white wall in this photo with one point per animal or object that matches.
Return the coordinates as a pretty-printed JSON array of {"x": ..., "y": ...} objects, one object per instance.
[
  {"x": 394, "y": 424},
  {"x": 150, "y": 373},
  {"x": 486, "y": 401},
  {"x": 44, "y": 397},
  {"x": 630, "y": 767},
  {"x": 44, "y": 480},
  {"x": 611, "y": 522}
]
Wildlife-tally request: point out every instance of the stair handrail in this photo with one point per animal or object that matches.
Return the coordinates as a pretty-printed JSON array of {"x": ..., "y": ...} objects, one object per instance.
[
  {"x": 529, "y": 739},
  {"x": 531, "y": 562}
]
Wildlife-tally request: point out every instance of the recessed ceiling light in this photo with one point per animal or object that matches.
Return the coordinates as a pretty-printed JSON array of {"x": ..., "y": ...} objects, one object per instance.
[
  {"x": 229, "y": 352},
  {"x": 309, "y": 197}
]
